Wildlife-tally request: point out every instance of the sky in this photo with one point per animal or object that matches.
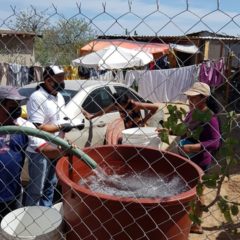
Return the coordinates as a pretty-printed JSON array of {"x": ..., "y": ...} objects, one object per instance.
[{"x": 145, "y": 17}]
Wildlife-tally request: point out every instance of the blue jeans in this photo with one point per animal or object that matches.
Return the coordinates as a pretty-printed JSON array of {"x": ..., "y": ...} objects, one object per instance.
[{"x": 42, "y": 181}]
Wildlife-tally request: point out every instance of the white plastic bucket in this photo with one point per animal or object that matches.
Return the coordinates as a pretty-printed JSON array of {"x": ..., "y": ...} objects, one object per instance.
[
  {"x": 59, "y": 207},
  {"x": 36, "y": 222},
  {"x": 144, "y": 136}
]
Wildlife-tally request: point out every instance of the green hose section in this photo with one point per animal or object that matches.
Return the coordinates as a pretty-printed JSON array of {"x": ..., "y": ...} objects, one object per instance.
[{"x": 50, "y": 138}]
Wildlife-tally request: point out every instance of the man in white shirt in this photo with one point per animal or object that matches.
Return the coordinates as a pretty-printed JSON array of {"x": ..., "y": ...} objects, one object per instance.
[{"x": 46, "y": 111}]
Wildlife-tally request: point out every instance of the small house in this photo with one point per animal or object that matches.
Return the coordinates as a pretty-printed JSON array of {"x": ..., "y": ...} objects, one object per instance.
[{"x": 17, "y": 47}]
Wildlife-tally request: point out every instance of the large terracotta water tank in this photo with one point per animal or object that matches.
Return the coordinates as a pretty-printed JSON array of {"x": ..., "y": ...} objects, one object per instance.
[{"x": 92, "y": 215}]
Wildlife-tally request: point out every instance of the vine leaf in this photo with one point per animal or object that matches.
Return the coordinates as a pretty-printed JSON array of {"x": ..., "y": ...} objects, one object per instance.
[{"x": 164, "y": 136}]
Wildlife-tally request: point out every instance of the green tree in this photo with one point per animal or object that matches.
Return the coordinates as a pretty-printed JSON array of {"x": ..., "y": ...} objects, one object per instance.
[
  {"x": 31, "y": 21},
  {"x": 58, "y": 41}
]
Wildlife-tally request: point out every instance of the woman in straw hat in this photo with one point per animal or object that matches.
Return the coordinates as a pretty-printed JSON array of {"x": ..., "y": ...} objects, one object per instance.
[
  {"x": 202, "y": 149},
  {"x": 201, "y": 118}
]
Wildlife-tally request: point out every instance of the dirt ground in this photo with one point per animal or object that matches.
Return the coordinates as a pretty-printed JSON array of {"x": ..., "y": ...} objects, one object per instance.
[{"x": 213, "y": 219}]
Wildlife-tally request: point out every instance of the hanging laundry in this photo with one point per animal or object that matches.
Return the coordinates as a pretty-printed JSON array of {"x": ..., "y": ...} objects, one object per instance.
[
  {"x": 38, "y": 73},
  {"x": 17, "y": 75},
  {"x": 152, "y": 65},
  {"x": 35, "y": 74},
  {"x": 24, "y": 72},
  {"x": 67, "y": 72},
  {"x": 31, "y": 74},
  {"x": 162, "y": 63},
  {"x": 71, "y": 72},
  {"x": 132, "y": 77},
  {"x": 14, "y": 75},
  {"x": 3, "y": 74},
  {"x": 118, "y": 75},
  {"x": 83, "y": 72},
  {"x": 218, "y": 77},
  {"x": 212, "y": 72},
  {"x": 166, "y": 85}
]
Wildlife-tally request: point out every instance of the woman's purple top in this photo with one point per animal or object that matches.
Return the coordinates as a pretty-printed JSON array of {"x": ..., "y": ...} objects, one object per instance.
[{"x": 210, "y": 139}]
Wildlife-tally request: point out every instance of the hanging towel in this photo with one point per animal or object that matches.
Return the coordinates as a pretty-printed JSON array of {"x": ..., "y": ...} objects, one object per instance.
[{"x": 166, "y": 85}]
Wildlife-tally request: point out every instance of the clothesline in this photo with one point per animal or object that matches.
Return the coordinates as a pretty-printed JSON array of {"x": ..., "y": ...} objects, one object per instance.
[
  {"x": 163, "y": 85},
  {"x": 168, "y": 85},
  {"x": 19, "y": 75}
]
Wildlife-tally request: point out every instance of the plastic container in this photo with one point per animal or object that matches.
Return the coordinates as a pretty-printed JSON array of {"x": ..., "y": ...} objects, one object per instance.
[
  {"x": 59, "y": 207},
  {"x": 35, "y": 222},
  {"x": 91, "y": 215},
  {"x": 183, "y": 142},
  {"x": 144, "y": 136}
]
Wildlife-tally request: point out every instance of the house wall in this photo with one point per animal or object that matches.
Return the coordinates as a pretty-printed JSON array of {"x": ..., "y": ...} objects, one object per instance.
[
  {"x": 235, "y": 47},
  {"x": 214, "y": 50},
  {"x": 17, "y": 49}
]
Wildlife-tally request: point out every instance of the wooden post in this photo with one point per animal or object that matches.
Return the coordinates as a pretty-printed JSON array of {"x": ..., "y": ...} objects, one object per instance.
[
  {"x": 228, "y": 74},
  {"x": 206, "y": 50},
  {"x": 197, "y": 61},
  {"x": 221, "y": 50}
]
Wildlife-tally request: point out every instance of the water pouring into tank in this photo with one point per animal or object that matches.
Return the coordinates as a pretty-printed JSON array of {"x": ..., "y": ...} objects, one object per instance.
[{"x": 135, "y": 191}]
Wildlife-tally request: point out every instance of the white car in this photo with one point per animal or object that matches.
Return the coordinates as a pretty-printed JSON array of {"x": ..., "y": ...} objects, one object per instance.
[{"x": 92, "y": 96}]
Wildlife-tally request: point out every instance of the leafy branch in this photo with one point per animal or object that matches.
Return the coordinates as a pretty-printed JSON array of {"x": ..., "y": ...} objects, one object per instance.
[{"x": 175, "y": 125}]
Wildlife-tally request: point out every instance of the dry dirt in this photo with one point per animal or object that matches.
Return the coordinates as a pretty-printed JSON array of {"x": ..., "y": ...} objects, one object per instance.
[{"x": 213, "y": 219}]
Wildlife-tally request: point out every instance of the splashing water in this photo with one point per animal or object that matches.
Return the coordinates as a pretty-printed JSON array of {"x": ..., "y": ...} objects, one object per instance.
[{"x": 136, "y": 185}]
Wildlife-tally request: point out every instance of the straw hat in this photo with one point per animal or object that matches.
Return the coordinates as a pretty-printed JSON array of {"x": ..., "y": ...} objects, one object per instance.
[{"x": 197, "y": 89}]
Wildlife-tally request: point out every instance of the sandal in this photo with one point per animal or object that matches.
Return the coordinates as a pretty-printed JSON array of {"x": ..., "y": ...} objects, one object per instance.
[{"x": 197, "y": 229}]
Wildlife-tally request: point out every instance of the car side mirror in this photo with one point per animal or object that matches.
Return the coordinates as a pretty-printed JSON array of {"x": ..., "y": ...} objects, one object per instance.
[
  {"x": 81, "y": 125},
  {"x": 78, "y": 126}
]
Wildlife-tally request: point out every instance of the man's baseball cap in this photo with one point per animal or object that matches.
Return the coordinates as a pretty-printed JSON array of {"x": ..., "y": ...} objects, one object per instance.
[
  {"x": 52, "y": 70},
  {"x": 9, "y": 92},
  {"x": 198, "y": 88}
]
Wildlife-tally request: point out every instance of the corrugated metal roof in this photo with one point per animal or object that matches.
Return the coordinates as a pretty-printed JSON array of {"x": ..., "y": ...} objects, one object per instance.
[
  {"x": 204, "y": 35},
  {"x": 7, "y": 32},
  {"x": 217, "y": 38}
]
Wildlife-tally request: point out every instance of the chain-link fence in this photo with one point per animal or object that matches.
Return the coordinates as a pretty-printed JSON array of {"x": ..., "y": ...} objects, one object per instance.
[{"x": 118, "y": 86}]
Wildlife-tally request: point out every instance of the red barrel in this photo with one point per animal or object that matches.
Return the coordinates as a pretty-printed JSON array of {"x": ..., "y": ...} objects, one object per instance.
[{"x": 91, "y": 215}]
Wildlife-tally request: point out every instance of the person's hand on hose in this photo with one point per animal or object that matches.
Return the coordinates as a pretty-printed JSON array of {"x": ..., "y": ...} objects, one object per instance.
[{"x": 67, "y": 151}]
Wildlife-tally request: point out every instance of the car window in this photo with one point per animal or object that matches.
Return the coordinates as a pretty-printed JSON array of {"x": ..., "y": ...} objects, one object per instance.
[
  {"x": 68, "y": 94},
  {"x": 97, "y": 100},
  {"x": 122, "y": 90},
  {"x": 26, "y": 92}
]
